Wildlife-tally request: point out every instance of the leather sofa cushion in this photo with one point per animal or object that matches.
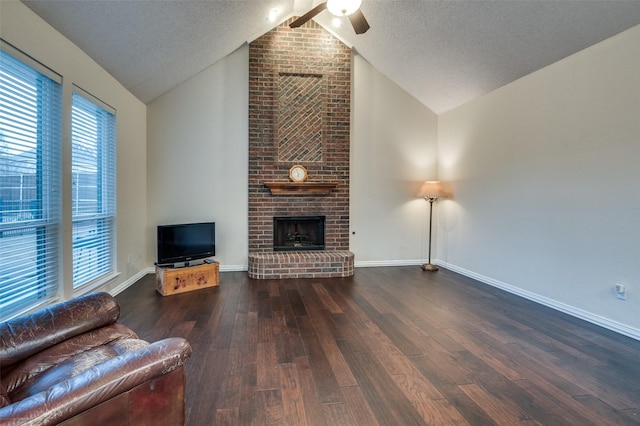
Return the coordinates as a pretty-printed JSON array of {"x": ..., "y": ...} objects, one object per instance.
[
  {"x": 24, "y": 336},
  {"x": 75, "y": 365},
  {"x": 64, "y": 360}
]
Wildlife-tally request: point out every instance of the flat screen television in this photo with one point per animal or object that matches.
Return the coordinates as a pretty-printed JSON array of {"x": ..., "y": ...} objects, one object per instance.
[{"x": 186, "y": 242}]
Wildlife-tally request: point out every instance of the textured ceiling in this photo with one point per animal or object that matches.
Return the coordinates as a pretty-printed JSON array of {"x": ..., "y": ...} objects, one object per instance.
[{"x": 444, "y": 53}]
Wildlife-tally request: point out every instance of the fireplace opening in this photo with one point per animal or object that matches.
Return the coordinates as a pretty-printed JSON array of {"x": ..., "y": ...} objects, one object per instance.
[{"x": 298, "y": 233}]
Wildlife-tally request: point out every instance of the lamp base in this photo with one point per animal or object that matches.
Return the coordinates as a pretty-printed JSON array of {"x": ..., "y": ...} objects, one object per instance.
[{"x": 429, "y": 267}]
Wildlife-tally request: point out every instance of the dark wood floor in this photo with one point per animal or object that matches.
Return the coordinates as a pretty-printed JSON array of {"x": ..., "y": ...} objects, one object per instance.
[{"x": 389, "y": 346}]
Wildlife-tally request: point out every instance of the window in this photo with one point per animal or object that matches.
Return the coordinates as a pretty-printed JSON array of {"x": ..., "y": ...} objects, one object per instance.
[
  {"x": 30, "y": 138},
  {"x": 93, "y": 158}
]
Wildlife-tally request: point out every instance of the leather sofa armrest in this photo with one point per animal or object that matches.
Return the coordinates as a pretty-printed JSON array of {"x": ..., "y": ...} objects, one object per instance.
[
  {"x": 98, "y": 384},
  {"x": 23, "y": 336}
]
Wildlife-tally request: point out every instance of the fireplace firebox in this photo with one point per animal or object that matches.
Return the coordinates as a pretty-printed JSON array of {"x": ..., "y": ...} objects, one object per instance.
[{"x": 298, "y": 233}]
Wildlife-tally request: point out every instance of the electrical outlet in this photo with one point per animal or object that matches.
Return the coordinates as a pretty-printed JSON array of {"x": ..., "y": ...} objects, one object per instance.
[{"x": 621, "y": 292}]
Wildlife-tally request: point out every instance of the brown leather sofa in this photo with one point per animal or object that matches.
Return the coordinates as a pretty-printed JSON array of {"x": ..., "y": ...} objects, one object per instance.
[{"x": 72, "y": 364}]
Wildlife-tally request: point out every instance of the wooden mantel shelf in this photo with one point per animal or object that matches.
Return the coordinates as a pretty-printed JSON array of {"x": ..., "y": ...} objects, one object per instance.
[{"x": 301, "y": 188}]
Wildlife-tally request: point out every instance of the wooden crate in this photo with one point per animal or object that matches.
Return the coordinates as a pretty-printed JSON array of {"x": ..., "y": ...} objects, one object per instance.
[{"x": 178, "y": 280}]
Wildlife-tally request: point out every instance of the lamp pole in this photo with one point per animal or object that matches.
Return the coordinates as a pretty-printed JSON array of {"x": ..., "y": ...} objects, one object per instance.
[
  {"x": 430, "y": 191},
  {"x": 429, "y": 266}
]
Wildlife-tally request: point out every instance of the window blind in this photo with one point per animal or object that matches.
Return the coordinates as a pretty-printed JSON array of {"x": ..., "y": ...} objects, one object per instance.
[
  {"x": 93, "y": 157},
  {"x": 30, "y": 162}
]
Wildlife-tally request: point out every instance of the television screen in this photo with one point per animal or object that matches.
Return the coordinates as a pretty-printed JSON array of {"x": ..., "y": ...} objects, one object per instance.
[{"x": 186, "y": 242}]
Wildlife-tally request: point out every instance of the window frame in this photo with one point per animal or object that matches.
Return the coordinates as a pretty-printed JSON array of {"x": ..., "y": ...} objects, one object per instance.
[
  {"x": 100, "y": 263},
  {"x": 31, "y": 98}
]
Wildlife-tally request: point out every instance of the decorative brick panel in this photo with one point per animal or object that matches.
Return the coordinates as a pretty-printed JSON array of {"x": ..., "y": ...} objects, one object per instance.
[
  {"x": 300, "y": 117},
  {"x": 313, "y": 52}
]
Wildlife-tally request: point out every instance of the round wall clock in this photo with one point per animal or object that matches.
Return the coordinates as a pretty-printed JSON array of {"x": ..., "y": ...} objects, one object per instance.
[{"x": 298, "y": 173}]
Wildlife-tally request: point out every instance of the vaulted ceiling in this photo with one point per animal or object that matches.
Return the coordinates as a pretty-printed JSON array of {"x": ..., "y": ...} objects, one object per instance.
[{"x": 444, "y": 53}]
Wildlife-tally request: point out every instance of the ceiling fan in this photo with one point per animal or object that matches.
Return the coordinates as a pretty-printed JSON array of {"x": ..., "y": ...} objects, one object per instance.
[{"x": 350, "y": 8}]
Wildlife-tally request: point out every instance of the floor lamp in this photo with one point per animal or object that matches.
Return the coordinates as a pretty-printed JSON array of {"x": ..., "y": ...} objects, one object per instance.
[{"x": 430, "y": 191}]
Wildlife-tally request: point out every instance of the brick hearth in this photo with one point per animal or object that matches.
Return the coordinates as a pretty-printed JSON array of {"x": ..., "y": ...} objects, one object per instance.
[{"x": 301, "y": 264}]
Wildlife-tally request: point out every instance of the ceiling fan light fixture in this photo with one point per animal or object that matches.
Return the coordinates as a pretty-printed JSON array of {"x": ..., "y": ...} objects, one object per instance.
[{"x": 343, "y": 7}]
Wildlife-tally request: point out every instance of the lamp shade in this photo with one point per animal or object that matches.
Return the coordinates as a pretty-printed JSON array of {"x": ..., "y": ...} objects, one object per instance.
[
  {"x": 343, "y": 7},
  {"x": 431, "y": 189}
]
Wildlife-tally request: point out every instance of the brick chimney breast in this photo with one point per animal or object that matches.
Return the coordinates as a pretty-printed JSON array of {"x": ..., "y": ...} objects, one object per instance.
[{"x": 299, "y": 113}]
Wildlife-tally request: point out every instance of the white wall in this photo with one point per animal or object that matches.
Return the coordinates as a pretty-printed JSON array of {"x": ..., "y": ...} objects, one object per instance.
[
  {"x": 393, "y": 151},
  {"x": 198, "y": 157},
  {"x": 30, "y": 34},
  {"x": 198, "y": 163},
  {"x": 545, "y": 175}
]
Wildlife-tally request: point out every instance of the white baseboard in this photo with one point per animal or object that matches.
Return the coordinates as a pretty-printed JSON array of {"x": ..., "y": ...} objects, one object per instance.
[
  {"x": 620, "y": 328},
  {"x": 378, "y": 263},
  {"x": 234, "y": 268},
  {"x": 128, "y": 283}
]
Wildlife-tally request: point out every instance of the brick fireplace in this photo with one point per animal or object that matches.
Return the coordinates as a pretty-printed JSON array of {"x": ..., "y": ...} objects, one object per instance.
[{"x": 299, "y": 113}]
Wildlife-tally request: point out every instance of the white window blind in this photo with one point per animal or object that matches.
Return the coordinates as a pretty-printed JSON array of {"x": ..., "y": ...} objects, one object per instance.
[
  {"x": 30, "y": 138},
  {"x": 93, "y": 153}
]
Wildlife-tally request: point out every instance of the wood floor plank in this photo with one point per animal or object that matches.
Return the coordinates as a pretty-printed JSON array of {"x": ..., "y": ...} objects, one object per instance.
[
  {"x": 534, "y": 363},
  {"x": 438, "y": 361},
  {"x": 326, "y": 298},
  {"x": 397, "y": 364},
  {"x": 472, "y": 412},
  {"x": 386, "y": 352},
  {"x": 285, "y": 351},
  {"x": 382, "y": 395},
  {"x": 268, "y": 374},
  {"x": 393, "y": 329},
  {"x": 342, "y": 327},
  {"x": 558, "y": 408},
  {"x": 249, "y": 412},
  {"x": 500, "y": 388},
  {"x": 361, "y": 412},
  {"x": 388, "y": 346},
  {"x": 588, "y": 382},
  {"x": 337, "y": 415},
  {"x": 264, "y": 303},
  {"x": 229, "y": 393},
  {"x": 288, "y": 309},
  {"x": 320, "y": 319},
  {"x": 269, "y": 409},
  {"x": 326, "y": 382},
  {"x": 433, "y": 411},
  {"x": 202, "y": 396},
  {"x": 292, "y": 401},
  {"x": 313, "y": 407},
  {"x": 603, "y": 414},
  {"x": 502, "y": 411},
  {"x": 226, "y": 417},
  {"x": 506, "y": 366}
]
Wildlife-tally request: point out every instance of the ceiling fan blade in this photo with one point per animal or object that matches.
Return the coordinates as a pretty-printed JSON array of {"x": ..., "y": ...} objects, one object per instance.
[
  {"x": 359, "y": 23},
  {"x": 307, "y": 16}
]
